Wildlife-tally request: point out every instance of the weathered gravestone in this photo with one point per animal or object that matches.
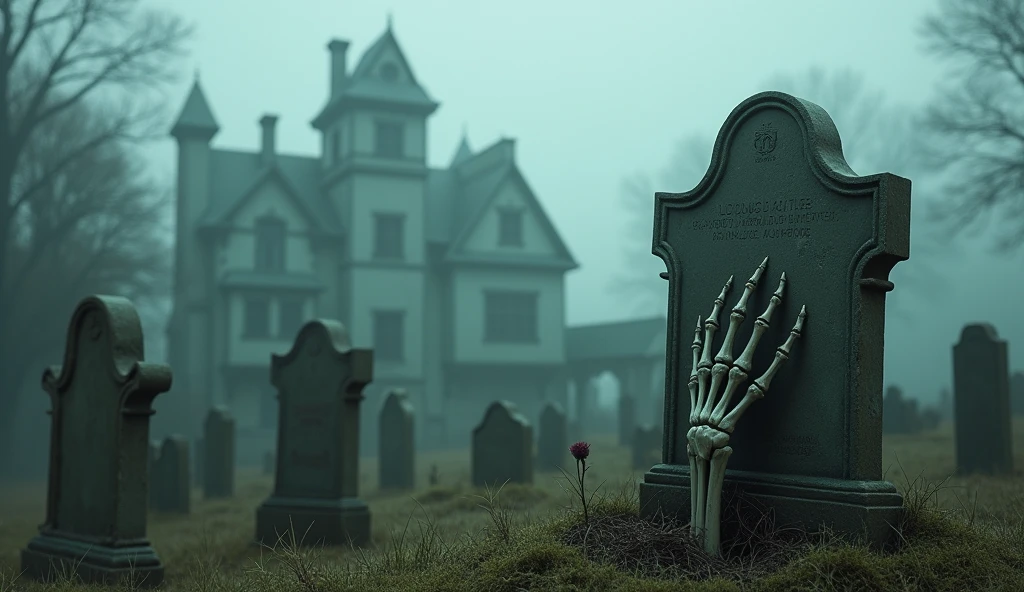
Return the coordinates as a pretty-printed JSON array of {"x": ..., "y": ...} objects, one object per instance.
[
  {"x": 101, "y": 401},
  {"x": 552, "y": 439},
  {"x": 502, "y": 447},
  {"x": 645, "y": 445},
  {"x": 627, "y": 418},
  {"x": 198, "y": 470},
  {"x": 779, "y": 186},
  {"x": 218, "y": 454},
  {"x": 981, "y": 400},
  {"x": 319, "y": 388},
  {"x": 899, "y": 414},
  {"x": 397, "y": 447},
  {"x": 170, "y": 482},
  {"x": 1017, "y": 393}
]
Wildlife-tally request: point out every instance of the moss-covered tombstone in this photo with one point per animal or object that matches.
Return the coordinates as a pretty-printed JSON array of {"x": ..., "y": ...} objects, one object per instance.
[
  {"x": 502, "y": 448},
  {"x": 319, "y": 389},
  {"x": 102, "y": 399},
  {"x": 779, "y": 187}
]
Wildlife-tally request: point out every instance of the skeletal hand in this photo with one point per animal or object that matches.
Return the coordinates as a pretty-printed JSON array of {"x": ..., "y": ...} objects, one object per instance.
[{"x": 711, "y": 423}]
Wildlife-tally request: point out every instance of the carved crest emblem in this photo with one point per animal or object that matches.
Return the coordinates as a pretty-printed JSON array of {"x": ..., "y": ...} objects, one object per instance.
[{"x": 765, "y": 138}]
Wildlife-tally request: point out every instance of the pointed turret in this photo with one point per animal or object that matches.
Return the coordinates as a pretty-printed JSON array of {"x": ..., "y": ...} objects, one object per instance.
[
  {"x": 195, "y": 119},
  {"x": 464, "y": 152}
]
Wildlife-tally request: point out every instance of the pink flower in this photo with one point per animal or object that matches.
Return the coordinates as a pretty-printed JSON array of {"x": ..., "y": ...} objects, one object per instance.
[{"x": 580, "y": 450}]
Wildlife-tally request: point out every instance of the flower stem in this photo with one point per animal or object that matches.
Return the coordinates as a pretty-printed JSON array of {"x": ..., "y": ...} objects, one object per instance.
[{"x": 581, "y": 473}]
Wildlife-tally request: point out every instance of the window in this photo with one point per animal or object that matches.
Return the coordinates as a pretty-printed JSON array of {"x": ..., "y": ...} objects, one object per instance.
[
  {"x": 270, "y": 236},
  {"x": 335, "y": 146},
  {"x": 388, "y": 241},
  {"x": 257, "y": 317},
  {"x": 510, "y": 228},
  {"x": 510, "y": 317},
  {"x": 388, "y": 335},
  {"x": 290, "y": 318},
  {"x": 390, "y": 140}
]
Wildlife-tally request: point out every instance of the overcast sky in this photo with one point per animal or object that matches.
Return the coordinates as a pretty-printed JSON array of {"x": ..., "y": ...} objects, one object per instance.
[{"x": 592, "y": 95}]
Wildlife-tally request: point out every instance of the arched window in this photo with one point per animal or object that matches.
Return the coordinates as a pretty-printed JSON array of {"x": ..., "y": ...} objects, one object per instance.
[{"x": 270, "y": 240}]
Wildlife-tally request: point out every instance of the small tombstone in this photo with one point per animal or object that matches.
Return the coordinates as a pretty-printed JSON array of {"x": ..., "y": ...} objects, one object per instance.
[
  {"x": 269, "y": 462},
  {"x": 1017, "y": 393},
  {"x": 778, "y": 186},
  {"x": 218, "y": 454},
  {"x": 502, "y": 447},
  {"x": 101, "y": 401},
  {"x": 170, "y": 481},
  {"x": 198, "y": 470},
  {"x": 981, "y": 400},
  {"x": 553, "y": 439},
  {"x": 646, "y": 446},
  {"x": 320, "y": 386},
  {"x": 397, "y": 449},
  {"x": 627, "y": 418},
  {"x": 899, "y": 414}
]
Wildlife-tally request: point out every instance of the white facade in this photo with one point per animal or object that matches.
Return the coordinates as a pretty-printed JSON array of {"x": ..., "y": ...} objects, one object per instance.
[{"x": 454, "y": 276}]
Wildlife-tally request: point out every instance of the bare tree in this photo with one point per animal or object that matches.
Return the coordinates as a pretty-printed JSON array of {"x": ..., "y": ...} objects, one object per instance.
[
  {"x": 74, "y": 207},
  {"x": 978, "y": 117},
  {"x": 877, "y": 137}
]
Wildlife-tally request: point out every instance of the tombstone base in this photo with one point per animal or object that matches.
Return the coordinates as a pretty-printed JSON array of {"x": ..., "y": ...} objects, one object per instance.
[
  {"x": 51, "y": 556},
  {"x": 314, "y": 521},
  {"x": 863, "y": 510}
]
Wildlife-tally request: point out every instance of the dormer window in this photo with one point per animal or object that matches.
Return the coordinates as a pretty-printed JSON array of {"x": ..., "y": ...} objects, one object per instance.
[
  {"x": 389, "y": 72},
  {"x": 510, "y": 228},
  {"x": 389, "y": 140},
  {"x": 270, "y": 239}
]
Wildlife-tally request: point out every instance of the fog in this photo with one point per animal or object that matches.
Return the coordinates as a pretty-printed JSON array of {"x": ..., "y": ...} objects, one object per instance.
[{"x": 593, "y": 95}]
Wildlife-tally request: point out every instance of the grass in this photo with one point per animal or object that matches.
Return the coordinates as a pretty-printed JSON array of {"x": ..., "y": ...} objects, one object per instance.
[{"x": 960, "y": 533}]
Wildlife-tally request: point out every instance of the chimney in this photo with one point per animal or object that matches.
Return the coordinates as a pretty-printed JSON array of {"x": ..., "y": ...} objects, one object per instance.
[
  {"x": 338, "y": 49},
  {"x": 268, "y": 123}
]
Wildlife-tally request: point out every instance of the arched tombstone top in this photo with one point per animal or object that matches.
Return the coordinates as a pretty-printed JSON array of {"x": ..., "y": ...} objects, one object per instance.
[
  {"x": 322, "y": 354},
  {"x": 552, "y": 408},
  {"x": 219, "y": 414},
  {"x": 502, "y": 412},
  {"x": 397, "y": 402},
  {"x": 980, "y": 332},
  {"x": 104, "y": 354}
]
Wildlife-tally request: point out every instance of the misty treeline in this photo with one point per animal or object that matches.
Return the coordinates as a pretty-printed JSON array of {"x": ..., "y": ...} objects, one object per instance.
[
  {"x": 963, "y": 150},
  {"x": 80, "y": 82}
]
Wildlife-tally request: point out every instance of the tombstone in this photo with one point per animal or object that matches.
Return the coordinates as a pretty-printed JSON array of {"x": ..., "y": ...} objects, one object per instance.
[
  {"x": 170, "y": 481},
  {"x": 218, "y": 454},
  {"x": 502, "y": 447},
  {"x": 899, "y": 414},
  {"x": 778, "y": 186},
  {"x": 397, "y": 447},
  {"x": 645, "y": 445},
  {"x": 1017, "y": 393},
  {"x": 319, "y": 389},
  {"x": 269, "y": 462},
  {"x": 627, "y": 418},
  {"x": 553, "y": 439},
  {"x": 198, "y": 470},
  {"x": 101, "y": 401},
  {"x": 981, "y": 402}
]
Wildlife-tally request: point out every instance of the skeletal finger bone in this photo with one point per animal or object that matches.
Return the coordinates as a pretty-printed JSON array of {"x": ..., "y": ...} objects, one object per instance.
[
  {"x": 760, "y": 386},
  {"x": 742, "y": 365},
  {"x": 724, "y": 358},
  {"x": 692, "y": 384},
  {"x": 704, "y": 366}
]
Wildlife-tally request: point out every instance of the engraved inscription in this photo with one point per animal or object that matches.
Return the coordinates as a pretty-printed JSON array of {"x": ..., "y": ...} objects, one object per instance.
[
  {"x": 793, "y": 445},
  {"x": 765, "y": 140},
  {"x": 765, "y": 220}
]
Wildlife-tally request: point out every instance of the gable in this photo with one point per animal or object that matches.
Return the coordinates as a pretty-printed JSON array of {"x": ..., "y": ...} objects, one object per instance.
[
  {"x": 270, "y": 198},
  {"x": 479, "y": 237}
]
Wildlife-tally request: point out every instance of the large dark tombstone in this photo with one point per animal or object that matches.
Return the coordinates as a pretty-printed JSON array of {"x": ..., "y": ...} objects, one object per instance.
[
  {"x": 627, "y": 418},
  {"x": 552, "y": 439},
  {"x": 218, "y": 464},
  {"x": 320, "y": 387},
  {"x": 397, "y": 447},
  {"x": 981, "y": 401},
  {"x": 779, "y": 186},
  {"x": 102, "y": 399},
  {"x": 502, "y": 447}
]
